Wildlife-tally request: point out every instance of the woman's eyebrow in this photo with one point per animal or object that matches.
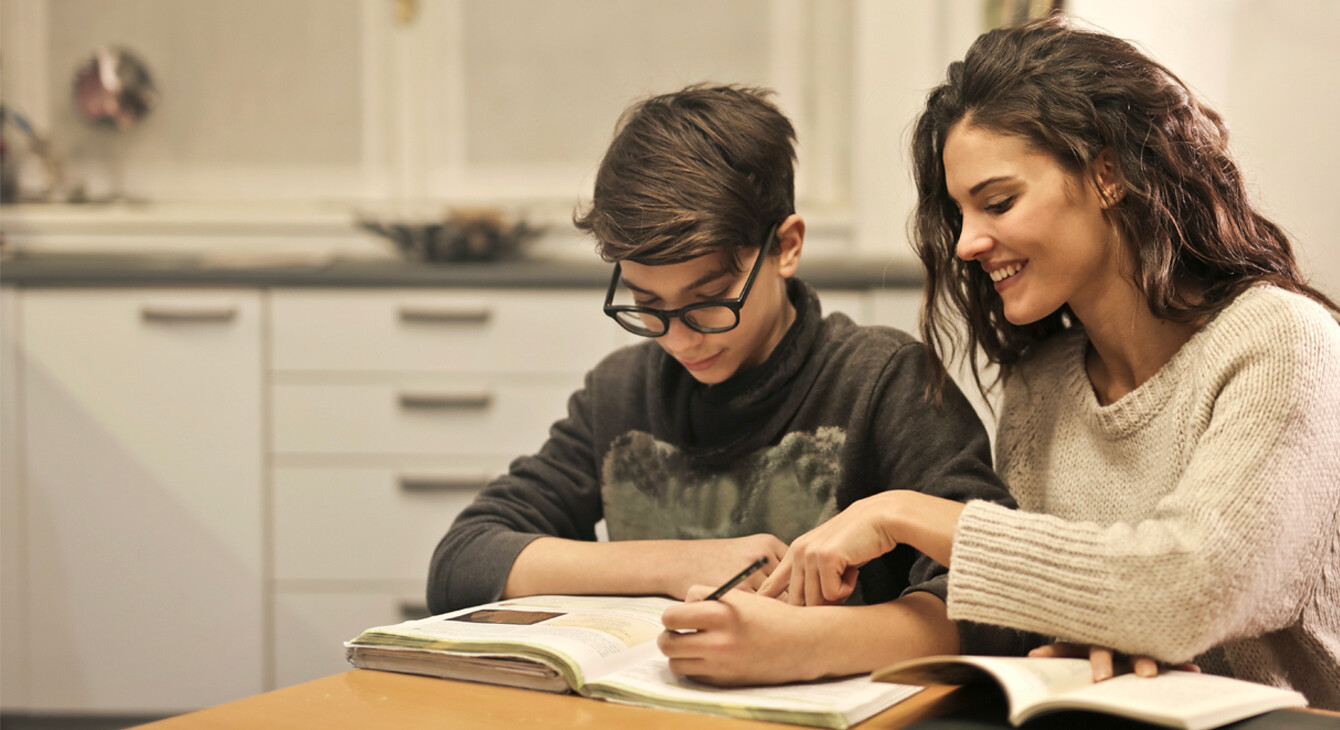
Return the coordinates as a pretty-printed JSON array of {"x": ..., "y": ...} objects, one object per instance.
[{"x": 978, "y": 187}]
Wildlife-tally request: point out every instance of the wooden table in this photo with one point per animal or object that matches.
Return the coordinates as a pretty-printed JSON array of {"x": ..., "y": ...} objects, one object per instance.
[{"x": 368, "y": 699}]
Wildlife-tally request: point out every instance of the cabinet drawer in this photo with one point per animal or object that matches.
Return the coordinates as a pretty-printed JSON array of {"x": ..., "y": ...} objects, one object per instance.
[
  {"x": 456, "y": 418},
  {"x": 469, "y": 331},
  {"x": 311, "y": 628},
  {"x": 366, "y": 523}
]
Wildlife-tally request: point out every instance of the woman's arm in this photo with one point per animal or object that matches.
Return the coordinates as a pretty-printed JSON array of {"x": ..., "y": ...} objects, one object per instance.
[
  {"x": 1234, "y": 550},
  {"x": 820, "y": 567}
]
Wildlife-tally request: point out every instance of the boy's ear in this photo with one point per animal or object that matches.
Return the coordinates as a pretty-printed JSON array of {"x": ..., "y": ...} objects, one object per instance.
[
  {"x": 790, "y": 240},
  {"x": 1106, "y": 178}
]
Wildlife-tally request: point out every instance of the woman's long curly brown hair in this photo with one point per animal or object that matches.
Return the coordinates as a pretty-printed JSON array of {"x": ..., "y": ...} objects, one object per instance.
[{"x": 1196, "y": 241}]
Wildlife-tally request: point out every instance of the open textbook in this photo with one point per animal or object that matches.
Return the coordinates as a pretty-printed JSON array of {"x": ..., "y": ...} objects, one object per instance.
[
  {"x": 600, "y": 647},
  {"x": 1033, "y": 686}
]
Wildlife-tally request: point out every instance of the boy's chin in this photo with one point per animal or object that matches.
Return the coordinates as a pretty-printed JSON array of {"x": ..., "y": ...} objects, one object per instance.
[{"x": 712, "y": 376}]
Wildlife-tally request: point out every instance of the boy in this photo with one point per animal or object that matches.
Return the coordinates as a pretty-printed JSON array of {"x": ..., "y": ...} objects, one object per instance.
[{"x": 746, "y": 420}]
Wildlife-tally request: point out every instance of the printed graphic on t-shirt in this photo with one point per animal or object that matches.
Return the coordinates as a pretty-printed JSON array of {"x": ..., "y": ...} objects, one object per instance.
[{"x": 652, "y": 491}]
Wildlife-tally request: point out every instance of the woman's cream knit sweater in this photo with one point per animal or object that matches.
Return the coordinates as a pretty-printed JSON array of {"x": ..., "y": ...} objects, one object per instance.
[{"x": 1197, "y": 518}]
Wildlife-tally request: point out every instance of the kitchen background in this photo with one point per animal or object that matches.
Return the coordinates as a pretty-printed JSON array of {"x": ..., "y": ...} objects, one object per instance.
[{"x": 234, "y": 422}]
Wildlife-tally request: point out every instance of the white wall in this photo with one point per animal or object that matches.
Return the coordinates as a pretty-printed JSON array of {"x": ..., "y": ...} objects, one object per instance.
[
  {"x": 1270, "y": 69},
  {"x": 416, "y": 122},
  {"x": 1283, "y": 107}
]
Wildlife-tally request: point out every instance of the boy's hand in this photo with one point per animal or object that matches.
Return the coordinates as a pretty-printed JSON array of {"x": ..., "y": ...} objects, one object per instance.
[
  {"x": 820, "y": 567},
  {"x": 1105, "y": 662},
  {"x": 713, "y": 562},
  {"x": 743, "y": 638}
]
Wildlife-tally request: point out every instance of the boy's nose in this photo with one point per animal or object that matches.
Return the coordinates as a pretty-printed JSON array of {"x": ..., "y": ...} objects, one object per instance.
[{"x": 679, "y": 337}]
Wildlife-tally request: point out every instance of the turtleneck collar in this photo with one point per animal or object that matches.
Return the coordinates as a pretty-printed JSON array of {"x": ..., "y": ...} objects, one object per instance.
[{"x": 739, "y": 414}]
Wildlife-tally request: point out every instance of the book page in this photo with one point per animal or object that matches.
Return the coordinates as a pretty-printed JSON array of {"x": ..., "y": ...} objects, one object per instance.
[
  {"x": 1025, "y": 681},
  {"x": 835, "y": 703},
  {"x": 1033, "y": 686},
  {"x": 1178, "y": 699},
  {"x": 492, "y": 669},
  {"x": 582, "y": 636}
]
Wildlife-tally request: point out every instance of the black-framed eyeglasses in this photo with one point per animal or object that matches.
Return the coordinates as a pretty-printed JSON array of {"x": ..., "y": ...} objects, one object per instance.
[{"x": 710, "y": 317}]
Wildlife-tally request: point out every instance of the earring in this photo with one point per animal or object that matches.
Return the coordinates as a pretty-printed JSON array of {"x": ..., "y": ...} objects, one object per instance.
[{"x": 1112, "y": 194}]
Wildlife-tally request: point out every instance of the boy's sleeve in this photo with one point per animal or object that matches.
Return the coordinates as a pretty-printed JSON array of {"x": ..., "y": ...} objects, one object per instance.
[
  {"x": 555, "y": 492},
  {"x": 941, "y": 450}
]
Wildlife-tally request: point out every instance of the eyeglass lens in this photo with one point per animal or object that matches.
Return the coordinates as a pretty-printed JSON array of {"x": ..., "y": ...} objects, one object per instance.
[{"x": 705, "y": 319}]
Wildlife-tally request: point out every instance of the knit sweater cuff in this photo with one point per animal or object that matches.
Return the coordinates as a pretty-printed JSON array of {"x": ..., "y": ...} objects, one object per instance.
[{"x": 1028, "y": 571}]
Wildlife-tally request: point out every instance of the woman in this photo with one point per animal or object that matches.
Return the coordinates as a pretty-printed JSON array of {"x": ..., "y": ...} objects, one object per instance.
[{"x": 1171, "y": 416}]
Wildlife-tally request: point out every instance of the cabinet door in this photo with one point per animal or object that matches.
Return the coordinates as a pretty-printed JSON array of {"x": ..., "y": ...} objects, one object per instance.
[
  {"x": 142, "y": 430},
  {"x": 13, "y": 545},
  {"x": 312, "y": 626}
]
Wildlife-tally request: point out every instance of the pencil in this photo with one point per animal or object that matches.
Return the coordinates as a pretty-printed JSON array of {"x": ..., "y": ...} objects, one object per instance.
[{"x": 718, "y": 593}]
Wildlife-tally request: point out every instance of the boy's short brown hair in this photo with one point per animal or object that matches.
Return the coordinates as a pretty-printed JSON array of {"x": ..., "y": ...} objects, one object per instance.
[{"x": 708, "y": 169}]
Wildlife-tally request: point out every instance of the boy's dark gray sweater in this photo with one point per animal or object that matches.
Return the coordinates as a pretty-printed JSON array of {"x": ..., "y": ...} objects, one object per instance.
[{"x": 835, "y": 414}]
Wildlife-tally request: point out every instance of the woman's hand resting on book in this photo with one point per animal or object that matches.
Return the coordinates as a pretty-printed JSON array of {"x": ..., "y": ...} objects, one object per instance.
[
  {"x": 820, "y": 567},
  {"x": 741, "y": 639},
  {"x": 1105, "y": 662}
]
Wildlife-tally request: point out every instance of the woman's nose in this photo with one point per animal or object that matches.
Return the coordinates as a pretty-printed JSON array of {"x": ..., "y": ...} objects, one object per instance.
[{"x": 972, "y": 243}]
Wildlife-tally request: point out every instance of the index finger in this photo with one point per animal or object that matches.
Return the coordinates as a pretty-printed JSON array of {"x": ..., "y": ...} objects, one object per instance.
[
  {"x": 697, "y": 616},
  {"x": 777, "y": 581}
]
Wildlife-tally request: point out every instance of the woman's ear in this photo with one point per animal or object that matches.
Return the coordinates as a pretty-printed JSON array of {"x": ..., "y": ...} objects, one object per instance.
[
  {"x": 1107, "y": 179},
  {"x": 790, "y": 240}
]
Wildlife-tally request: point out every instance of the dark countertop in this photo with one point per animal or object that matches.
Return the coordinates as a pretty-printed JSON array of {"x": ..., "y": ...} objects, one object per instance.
[{"x": 76, "y": 270}]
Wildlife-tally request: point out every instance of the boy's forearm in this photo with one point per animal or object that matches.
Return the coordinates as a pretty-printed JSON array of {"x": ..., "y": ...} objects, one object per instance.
[
  {"x": 637, "y": 567},
  {"x": 860, "y": 639},
  {"x": 554, "y": 565}
]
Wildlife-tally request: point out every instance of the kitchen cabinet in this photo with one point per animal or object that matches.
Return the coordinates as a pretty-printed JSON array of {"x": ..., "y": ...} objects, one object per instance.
[
  {"x": 389, "y": 410},
  {"x": 141, "y": 429},
  {"x": 207, "y": 490}
]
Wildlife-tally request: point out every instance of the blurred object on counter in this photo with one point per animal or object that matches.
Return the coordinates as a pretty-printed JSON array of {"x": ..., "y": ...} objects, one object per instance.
[
  {"x": 463, "y": 234},
  {"x": 30, "y": 169},
  {"x": 114, "y": 89}
]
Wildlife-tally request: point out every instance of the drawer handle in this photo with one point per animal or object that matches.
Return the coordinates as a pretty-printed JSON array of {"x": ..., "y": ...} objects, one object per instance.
[
  {"x": 446, "y": 399},
  {"x": 188, "y": 312},
  {"x": 443, "y": 482},
  {"x": 413, "y": 608},
  {"x": 478, "y": 314}
]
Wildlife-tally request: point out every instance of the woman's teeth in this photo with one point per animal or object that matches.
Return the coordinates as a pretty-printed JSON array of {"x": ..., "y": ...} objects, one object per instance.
[{"x": 1006, "y": 272}]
